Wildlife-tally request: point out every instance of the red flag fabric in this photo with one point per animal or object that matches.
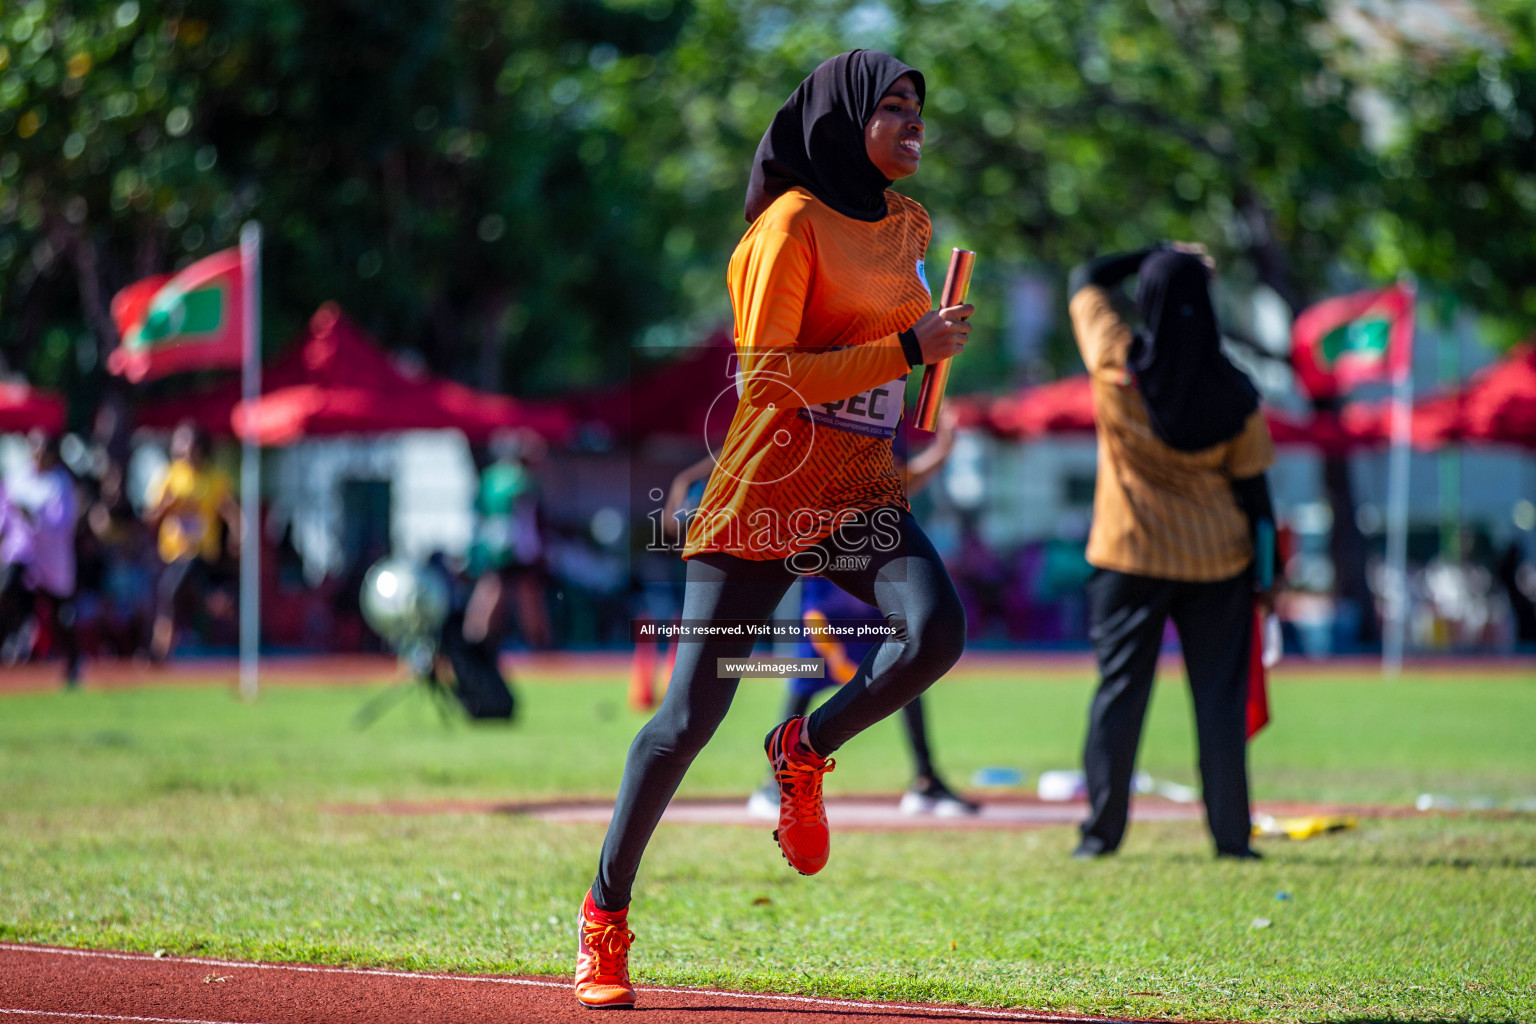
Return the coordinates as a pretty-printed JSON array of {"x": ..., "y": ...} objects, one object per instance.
[
  {"x": 1258, "y": 692},
  {"x": 187, "y": 321},
  {"x": 1347, "y": 339}
]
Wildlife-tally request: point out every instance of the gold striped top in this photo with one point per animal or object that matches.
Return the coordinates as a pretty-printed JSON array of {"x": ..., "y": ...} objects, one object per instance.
[{"x": 1158, "y": 511}]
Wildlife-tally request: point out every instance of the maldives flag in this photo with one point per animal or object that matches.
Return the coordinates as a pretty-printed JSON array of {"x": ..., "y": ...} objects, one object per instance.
[
  {"x": 1342, "y": 341},
  {"x": 1258, "y": 689},
  {"x": 186, "y": 321}
]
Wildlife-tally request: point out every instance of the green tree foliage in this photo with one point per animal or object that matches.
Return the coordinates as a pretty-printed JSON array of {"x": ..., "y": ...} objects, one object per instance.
[
  {"x": 1057, "y": 130},
  {"x": 453, "y": 173},
  {"x": 525, "y": 189},
  {"x": 1458, "y": 171}
]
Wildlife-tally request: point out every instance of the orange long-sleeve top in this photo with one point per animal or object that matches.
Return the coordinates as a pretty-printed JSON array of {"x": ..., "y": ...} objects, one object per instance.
[{"x": 819, "y": 299}]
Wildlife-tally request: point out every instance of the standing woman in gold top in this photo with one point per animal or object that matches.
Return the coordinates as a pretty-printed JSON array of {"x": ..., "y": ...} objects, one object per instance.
[
  {"x": 832, "y": 311},
  {"x": 1182, "y": 528}
]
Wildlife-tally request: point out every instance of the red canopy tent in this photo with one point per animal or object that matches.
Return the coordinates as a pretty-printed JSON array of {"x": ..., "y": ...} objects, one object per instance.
[
  {"x": 1331, "y": 433},
  {"x": 23, "y": 407},
  {"x": 1066, "y": 407},
  {"x": 1060, "y": 407},
  {"x": 338, "y": 381},
  {"x": 675, "y": 398},
  {"x": 1498, "y": 406}
]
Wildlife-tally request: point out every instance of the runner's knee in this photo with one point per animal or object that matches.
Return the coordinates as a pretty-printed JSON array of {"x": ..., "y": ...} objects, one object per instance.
[
  {"x": 679, "y": 738},
  {"x": 937, "y": 635}
]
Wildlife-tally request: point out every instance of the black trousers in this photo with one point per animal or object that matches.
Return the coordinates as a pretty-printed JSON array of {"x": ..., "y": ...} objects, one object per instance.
[
  {"x": 908, "y": 583},
  {"x": 1215, "y": 626}
]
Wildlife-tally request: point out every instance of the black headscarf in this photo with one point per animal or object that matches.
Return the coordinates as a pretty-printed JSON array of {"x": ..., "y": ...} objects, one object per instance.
[
  {"x": 1195, "y": 396},
  {"x": 816, "y": 139}
]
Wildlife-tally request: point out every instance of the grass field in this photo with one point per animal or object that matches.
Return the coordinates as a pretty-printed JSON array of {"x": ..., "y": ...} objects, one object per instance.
[{"x": 180, "y": 818}]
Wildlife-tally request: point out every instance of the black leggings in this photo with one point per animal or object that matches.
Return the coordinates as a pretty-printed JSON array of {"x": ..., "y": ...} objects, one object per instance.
[
  {"x": 910, "y": 586},
  {"x": 911, "y": 718}
]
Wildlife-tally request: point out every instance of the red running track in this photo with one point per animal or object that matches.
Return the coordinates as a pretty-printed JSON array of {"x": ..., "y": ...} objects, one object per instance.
[{"x": 49, "y": 985}]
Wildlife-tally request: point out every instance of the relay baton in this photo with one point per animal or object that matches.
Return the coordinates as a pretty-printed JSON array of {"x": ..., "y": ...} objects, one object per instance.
[{"x": 956, "y": 283}]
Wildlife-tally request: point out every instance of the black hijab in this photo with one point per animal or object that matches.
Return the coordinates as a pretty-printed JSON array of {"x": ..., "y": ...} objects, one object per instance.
[
  {"x": 816, "y": 140},
  {"x": 1195, "y": 396}
]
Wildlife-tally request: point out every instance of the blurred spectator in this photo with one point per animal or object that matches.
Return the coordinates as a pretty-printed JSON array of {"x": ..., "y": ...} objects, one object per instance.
[
  {"x": 293, "y": 613},
  {"x": 1457, "y": 606},
  {"x": 507, "y": 556},
  {"x": 594, "y": 596},
  {"x": 352, "y": 633},
  {"x": 1520, "y": 584},
  {"x": 15, "y": 533},
  {"x": 469, "y": 669},
  {"x": 981, "y": 579},
  {"x": 657, "y": 597},
  {"x": 90, "y": 573},
  {"x": 1181, "y": 520},
  {"x": 683, "y": 496},
  {"x": 186, "y": 504},
  {"x": 15, "y": 550},
  {"x": 127, "y": 566},
  {"x": 39, "y": 556}
]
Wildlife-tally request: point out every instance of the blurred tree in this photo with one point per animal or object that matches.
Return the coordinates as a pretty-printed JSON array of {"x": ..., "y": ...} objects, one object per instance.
[
  {"x": 523, "y": 189},
  {"x": 1274, "y": 131},
  {"x": 449, "y": 171},
  {"x": 1305, "y": 144},
  {"x": 1457, "y": 163}
]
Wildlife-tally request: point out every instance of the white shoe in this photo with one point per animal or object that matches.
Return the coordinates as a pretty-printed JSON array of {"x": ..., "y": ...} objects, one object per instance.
[
  {"x": 937, "y": 799},
  {"x": 764, "y": 803},
  {"x": 955, "y": 807}
]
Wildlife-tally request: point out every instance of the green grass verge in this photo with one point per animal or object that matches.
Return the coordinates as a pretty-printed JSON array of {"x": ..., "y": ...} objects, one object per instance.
[{"x": 182, "y": 819}]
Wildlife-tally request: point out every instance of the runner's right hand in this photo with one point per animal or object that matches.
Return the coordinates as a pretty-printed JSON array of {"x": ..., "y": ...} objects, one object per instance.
[{"x": 942, "y": 332}]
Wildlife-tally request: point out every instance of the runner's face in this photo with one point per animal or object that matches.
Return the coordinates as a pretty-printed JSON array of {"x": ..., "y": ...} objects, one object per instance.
[{"x": 893, "y": 138}]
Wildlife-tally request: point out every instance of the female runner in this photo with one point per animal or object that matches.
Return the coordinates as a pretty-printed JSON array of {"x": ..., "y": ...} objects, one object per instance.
[{"x": 831, "y": 312}]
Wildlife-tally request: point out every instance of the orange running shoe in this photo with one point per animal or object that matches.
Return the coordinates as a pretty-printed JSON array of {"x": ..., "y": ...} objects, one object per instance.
[
  {"x": 802, "y": 833},
  {"x": 602, "y": 958}
]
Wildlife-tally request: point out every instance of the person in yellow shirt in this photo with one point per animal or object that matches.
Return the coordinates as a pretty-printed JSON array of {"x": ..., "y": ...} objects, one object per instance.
[
  {"x": 832, "y": 311},
  {"x": 193, "y": 509}
]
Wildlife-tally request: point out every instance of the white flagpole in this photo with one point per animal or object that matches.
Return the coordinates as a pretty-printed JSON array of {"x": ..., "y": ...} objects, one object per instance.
[
  {"x": 250, "y": 463},
  {"x": 1396, "y": 604}
]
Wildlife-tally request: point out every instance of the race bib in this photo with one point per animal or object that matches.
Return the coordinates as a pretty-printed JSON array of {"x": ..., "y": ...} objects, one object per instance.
[{"x": 873, "y": 413}]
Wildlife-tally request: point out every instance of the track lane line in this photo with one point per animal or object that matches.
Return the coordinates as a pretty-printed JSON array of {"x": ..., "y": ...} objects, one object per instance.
[
  {"x": 114, "y": 1016},
  {"x": 1016, "y": 1015}
]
